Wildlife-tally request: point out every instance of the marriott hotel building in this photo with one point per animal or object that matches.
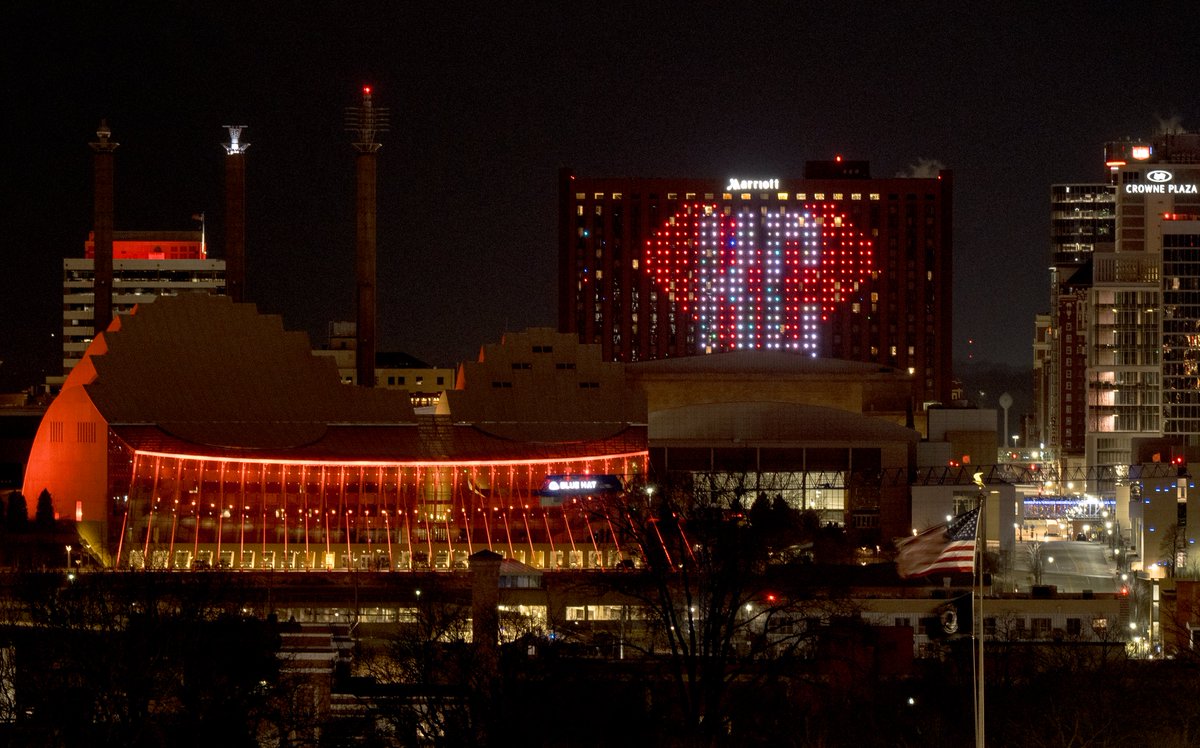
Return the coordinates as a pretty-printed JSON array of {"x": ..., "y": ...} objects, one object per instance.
[{"x": 834, "y": 265}]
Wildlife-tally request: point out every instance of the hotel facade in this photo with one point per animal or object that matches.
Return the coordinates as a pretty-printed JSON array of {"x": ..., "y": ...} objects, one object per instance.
[{"x": 835, "y": 264}]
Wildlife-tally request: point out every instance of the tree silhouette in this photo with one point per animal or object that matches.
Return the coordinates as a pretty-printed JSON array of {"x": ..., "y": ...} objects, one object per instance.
[
  {"x": 44, "y": 516},
  {"x": 16, "y": 518}
]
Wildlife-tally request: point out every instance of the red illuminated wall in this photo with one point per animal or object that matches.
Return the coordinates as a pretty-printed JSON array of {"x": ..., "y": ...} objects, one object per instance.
[{"x": 168, "y": 246}]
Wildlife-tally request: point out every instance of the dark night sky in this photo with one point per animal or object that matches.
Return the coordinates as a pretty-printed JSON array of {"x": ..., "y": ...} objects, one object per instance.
[{"x": 488, "y": 101}]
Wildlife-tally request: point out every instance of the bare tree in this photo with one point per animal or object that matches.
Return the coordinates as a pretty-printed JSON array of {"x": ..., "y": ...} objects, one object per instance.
[
  {"x": 427, "y": 670},
  {"x": 1037, "y": 562},
  {"x": 708, "y": 597}
]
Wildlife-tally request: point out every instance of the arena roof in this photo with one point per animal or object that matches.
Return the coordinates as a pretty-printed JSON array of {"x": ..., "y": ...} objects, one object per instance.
[{"x": 199, "y": 374}]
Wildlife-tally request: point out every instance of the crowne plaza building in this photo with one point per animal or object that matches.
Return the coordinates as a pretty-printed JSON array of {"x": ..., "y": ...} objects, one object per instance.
[{"x": 835, "y": 264}]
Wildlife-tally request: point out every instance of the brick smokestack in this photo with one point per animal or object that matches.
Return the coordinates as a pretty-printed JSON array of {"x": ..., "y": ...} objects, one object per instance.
[
  {"x": 102, "y": 229},
  {"x": 235, "y": 214},
  {"x": 366, "y": 122}
]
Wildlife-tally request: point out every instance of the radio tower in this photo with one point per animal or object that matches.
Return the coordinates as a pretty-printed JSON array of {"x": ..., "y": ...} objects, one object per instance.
[
  {"x": 235, "y": 214},
  {"x": 102, "y": 229},
  {"x": 365, "y": 122}
]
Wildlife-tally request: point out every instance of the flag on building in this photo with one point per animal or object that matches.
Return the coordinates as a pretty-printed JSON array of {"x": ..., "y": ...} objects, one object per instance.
[{"x": 948, "y": 547}]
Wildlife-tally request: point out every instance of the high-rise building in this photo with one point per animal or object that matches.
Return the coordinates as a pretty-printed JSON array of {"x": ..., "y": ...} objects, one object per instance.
[
  {"x": 835, "y": 264},
  {"x": 1082, "y": 222},
  {"x": 145, "y": 265},
  {"x": 1143, "y": 325}
]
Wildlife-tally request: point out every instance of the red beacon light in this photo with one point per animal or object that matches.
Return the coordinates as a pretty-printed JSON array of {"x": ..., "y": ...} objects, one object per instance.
[{"x": 367, "y": 90}]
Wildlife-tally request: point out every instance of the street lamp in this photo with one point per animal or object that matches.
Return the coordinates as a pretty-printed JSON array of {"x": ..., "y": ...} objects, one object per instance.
[{"x": 68, "y": 558}]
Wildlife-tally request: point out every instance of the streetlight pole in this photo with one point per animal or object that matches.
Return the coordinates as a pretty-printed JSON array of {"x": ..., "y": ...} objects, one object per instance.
[{"x": 68, "y": 558}]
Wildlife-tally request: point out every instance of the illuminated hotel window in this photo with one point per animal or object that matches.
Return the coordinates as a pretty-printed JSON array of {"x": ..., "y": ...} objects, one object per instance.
[
  {"x": 838, "y": 196},
  {"x": 874, "y": 195},
  {"x": 856, "y": 307},
  {"x": 892, "y": 350},
  {"x": 801, "y": 195},
  {"x": 726, "y": 196},
  {"x": 782, "y": 196},
  {"x": 617, "y": 196},
  {"x": 635, "y": 263},
  {"x": 578, "y": 210},
  {"x": 599, "y": 195},
  {"x": 599, "y": 210},
  {"x": 689, "y": 196},
  {"x": 580, "y": 195},
  {"x": 599, "y": 274},
  {"x": 672, "y": 195},
  {"x": 818, "y": 196},
  {"x": 745, "y": 195},
  {"x": 874, "y": 297},
  {"x": 709, "y": 196},
  {"x": 856, "y": 196}
]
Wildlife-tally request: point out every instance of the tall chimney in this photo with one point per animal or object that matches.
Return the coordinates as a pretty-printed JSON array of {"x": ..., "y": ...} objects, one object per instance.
[
  {"x": 102, "y": 228},
  {"x": 235, "y": 214},
  {"x": 365, "y": 122}
]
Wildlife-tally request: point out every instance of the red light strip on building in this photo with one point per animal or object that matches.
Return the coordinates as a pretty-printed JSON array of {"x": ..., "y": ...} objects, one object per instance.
[{"x": 393, "y": 463}]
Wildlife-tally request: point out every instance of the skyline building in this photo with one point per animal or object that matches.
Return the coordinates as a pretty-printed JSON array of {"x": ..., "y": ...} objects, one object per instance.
[
  {"x": 835, "y": 264},
  {"x": 1143, "y": 307},
  {"x": 145, "y": 265},
  {"x": 1082, "y": 221}
]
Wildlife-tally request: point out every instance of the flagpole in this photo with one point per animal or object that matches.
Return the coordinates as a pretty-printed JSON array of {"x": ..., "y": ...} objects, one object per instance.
[{"x": 980, "y": 546}]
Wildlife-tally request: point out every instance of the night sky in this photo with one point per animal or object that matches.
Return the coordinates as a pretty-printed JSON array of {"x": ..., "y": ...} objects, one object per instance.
[{"x": 488, "y": 101}]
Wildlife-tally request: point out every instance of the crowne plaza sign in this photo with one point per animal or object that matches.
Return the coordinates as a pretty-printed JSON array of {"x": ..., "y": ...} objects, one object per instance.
[{"x": 1162, "y": 182}]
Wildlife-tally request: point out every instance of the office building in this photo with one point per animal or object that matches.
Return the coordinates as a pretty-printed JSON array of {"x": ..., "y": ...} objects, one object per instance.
[
  {"x": 835, "y": 265},
  {"x": 146, "y": 264}
]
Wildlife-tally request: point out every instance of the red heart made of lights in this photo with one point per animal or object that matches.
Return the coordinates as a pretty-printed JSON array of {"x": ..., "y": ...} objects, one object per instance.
[{"x": 758, "y": 280}]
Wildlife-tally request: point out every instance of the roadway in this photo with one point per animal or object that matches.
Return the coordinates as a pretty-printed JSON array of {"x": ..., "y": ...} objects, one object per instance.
[{"x": 1072, "y": 566}]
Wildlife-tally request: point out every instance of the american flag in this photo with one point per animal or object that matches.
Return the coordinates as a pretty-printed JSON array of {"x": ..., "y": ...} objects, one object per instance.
[{"x": 948, "y": 547}]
